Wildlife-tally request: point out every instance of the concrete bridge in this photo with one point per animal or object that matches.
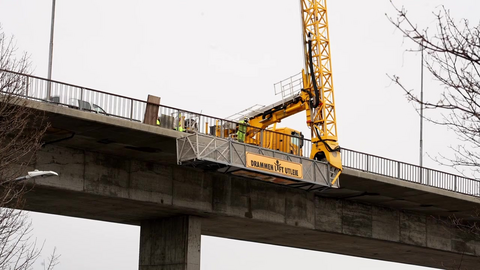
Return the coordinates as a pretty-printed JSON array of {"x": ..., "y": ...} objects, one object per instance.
[{"x": 113, "y": 169}]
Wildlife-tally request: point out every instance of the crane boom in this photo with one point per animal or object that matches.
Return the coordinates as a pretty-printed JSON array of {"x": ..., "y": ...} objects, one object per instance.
[
  {"x": 315, "y": 28},
  {"x": 321, "y": 116}
]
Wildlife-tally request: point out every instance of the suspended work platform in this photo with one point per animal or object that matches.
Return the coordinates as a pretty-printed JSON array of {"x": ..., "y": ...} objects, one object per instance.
[{"x": 230, "y": 156}]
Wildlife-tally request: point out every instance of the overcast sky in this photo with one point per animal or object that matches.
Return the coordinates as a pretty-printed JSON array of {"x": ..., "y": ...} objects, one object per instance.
[{"x": 218, "y": 58}]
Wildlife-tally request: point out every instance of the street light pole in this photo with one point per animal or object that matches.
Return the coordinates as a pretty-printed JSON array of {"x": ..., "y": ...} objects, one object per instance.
[
  {"x": 421, "y": 99},
  {"x": 50, "y": 52},
  {"x": 421, "y": 108}
]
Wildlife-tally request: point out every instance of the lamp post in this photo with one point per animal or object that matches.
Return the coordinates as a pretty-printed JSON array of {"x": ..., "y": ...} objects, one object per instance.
[
  {"x": 33, "y": 174},
  {"x": 421, "y": 100},
  {"x": 421, "y": 109},
  {"x": 50, "y": 51}
]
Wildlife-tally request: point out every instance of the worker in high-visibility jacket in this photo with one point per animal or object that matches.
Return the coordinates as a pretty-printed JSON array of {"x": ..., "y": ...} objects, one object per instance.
[
  {"x": 242, "y": 130},
  {"x": 181, "y": 122}
]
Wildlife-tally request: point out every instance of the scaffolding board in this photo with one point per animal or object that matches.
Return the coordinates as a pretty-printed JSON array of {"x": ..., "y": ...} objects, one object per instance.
[{"x": 229, "y": 156}]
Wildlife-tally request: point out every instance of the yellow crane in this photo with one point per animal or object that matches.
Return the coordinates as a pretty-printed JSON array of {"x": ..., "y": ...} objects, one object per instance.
[
  {"x": 247, "y": 156},
  {"x": 316, "y": 98}
]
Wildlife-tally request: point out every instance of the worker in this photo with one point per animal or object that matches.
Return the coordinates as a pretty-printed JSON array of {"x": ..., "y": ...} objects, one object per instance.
[
  {"x": 181, "y": 121},
  {"x": 242, "y": 130},
  {"x": 158, "y": 121}
]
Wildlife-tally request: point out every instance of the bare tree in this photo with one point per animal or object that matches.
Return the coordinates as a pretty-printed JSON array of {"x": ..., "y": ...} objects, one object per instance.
[
  {"x": 21, "y": 131},
  {"x": 452, "y": 56}
]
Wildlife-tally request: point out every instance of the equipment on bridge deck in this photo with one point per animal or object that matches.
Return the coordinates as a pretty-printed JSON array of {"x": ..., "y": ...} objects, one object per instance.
[
  {"x": 312, "y": 92},
  {"x": 83, "y": 105}
]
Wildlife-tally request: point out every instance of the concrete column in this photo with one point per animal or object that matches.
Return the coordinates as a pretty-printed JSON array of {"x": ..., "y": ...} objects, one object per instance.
[{"x": 170, "y": 243}]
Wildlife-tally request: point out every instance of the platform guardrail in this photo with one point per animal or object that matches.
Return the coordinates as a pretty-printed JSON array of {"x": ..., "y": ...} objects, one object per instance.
[{"x": 199, "y": 148}]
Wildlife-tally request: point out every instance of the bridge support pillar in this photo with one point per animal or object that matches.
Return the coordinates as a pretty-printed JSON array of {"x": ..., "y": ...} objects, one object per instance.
[{"x": 170, "y": 243}]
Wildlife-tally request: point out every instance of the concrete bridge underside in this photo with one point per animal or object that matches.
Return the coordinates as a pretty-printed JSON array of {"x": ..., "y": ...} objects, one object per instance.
[{"x": 120, "y": 171}]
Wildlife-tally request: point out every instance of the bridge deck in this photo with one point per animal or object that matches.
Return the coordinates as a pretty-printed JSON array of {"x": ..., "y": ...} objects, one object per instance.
[{"x": 122, "y": 171}]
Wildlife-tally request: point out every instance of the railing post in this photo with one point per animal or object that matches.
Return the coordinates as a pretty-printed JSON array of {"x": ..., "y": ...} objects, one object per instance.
[
  {"x": 49, "y": 90},
  {"x": 398, "y": 170},
  {"x": 230, "y": 144},
  {"x": 368, "y": 163},
  {"x": 131, "y": 109},
  {"x": 222, "y": 135},
  {"x": 455, "y": 182},
  {"x": 198, "y": 145},
  {"x": 177, "y": 121},
  {"x": 262, "y": 144},
  {"x": 421, "y": 175},
  {"x": 81, "y": 99},
  {"x": 26, "y": 86}
]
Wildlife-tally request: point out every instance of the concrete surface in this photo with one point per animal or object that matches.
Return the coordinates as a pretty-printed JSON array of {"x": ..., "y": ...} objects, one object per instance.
[
  {"x": 116, "y": 170},
  {"x": 170, "y": 243}
]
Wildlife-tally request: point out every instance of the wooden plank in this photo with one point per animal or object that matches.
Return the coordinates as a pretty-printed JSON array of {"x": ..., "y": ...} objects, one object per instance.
[{"x": 151, "y": 112}]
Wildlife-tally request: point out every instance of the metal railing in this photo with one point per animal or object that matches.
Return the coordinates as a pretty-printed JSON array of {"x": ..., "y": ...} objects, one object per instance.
[
  {"x": 287, "y": 88},
  {"x": 88, "y": 99},
  {"x": 83, "y": 98},
  {"x": 409, "y": 172}
]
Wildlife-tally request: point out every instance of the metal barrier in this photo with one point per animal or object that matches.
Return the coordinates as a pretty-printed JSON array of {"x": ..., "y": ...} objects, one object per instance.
[
  {"x": 289, "y": 87},
  {"x": 409, "y": 172},
  {"x": 83, "y": 98}
]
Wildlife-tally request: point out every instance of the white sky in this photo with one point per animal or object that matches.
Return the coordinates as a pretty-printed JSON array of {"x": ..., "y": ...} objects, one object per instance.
[{"x": 220, "y": 57}]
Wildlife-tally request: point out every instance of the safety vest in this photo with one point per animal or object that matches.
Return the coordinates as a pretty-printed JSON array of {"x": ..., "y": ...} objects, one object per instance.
[
  {"x": 242, "y": 129},
  {"x": 181, "y": 129},
  {"x": 180, "y": 124}
]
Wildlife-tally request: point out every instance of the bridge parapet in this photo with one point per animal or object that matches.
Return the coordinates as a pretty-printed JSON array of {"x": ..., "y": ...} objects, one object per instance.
[{"x": 409, "y": 172}]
